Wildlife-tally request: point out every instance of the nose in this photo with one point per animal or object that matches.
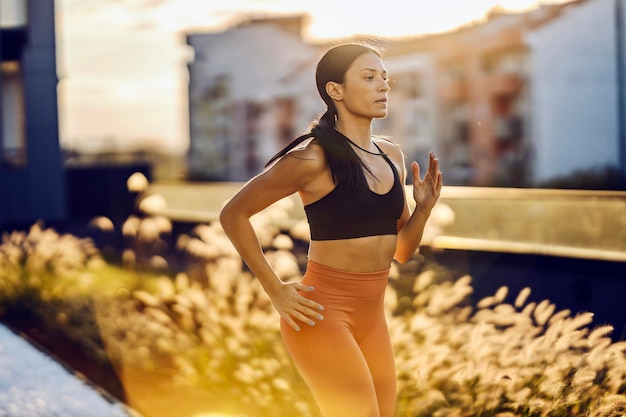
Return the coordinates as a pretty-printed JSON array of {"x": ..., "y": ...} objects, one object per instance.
[{"x": 385, "y": 85}]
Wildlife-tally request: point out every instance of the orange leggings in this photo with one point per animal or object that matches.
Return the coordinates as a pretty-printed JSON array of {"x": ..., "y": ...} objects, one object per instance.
[{"x": 346, "y": 359}]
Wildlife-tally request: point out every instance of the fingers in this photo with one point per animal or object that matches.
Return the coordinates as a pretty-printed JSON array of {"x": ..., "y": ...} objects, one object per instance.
[
  {"x": 434, "y": 174},
  {"x": 302, "y": 287},
  {"x": 433, "y": 165},
  {"x": 432, "y": 171},
  {"x": 292, "y": 323},
  {"x": 310, "y": 303},
  {"x": 301, "y": 309},
  {"x": 427, "y": 191},
  {"x": 307, "y": 311},
  {"x": 415, "y": 169},
  {"x": 303, "y": 316},
  {"x": 308, "y": 288}
]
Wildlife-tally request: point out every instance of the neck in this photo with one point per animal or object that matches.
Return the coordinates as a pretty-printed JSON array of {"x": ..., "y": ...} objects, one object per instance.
[{"x": 359, "y": 132}]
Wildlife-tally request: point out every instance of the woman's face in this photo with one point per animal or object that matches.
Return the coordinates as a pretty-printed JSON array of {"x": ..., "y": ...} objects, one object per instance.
[{"x": 365, "y": 88}]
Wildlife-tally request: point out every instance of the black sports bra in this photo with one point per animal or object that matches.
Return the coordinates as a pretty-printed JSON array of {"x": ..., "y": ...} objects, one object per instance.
[{"x": 342, "y": 215}]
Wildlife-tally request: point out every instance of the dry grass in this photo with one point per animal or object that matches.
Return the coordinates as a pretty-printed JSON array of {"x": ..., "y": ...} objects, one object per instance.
[{"x": 212, "y": 330}]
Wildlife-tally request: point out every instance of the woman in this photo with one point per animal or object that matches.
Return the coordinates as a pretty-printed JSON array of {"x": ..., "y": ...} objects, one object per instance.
[{"x": 350, "y": 184}]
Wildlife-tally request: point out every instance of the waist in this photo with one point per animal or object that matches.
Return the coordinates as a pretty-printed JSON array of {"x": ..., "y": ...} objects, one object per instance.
[
  {"x": 372, "y": 253},
  {"x": 341, "y": 282}
]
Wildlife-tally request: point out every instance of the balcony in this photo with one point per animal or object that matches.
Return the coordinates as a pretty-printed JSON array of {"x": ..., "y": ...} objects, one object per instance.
[
  {"x": 453, "y": 89},
  {"x": 505, "y": 83},
  {"x": 508, "y": 128}
]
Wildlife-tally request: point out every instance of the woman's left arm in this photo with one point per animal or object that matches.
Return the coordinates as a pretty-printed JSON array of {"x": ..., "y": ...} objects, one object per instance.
[{"x": 425, "y": 193}]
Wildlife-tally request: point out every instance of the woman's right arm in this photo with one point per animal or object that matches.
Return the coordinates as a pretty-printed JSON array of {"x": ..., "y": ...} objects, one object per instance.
[{"x": 290, "y": 174}]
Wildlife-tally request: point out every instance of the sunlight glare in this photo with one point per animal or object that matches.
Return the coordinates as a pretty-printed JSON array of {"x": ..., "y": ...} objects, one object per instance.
[{"x": 330, "y": 20}]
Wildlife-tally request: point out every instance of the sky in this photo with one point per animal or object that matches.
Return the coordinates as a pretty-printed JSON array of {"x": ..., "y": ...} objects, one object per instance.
[{"x": 122, "y": 63}]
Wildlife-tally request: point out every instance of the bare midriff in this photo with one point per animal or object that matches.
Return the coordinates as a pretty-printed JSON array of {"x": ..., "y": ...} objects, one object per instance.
[{"x": 363, "y": 254}]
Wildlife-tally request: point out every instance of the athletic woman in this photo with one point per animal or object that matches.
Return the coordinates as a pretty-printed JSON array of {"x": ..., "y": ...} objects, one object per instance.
[{"x": 351, "y": 185}]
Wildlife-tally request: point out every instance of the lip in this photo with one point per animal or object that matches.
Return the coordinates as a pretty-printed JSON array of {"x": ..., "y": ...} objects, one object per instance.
[{"x": 382, "y": 100}]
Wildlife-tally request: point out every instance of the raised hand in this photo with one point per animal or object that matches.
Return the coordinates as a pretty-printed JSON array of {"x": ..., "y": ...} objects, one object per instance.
[{"x": 426, "y": 191}]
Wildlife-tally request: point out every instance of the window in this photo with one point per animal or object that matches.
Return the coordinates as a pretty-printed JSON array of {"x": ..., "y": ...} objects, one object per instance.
[
  {"x": 13, "y": 131},
  {"x": 14, "y": 13},
  {"x": 410, "y": 83},
  {"x": 509, "y": 62}
]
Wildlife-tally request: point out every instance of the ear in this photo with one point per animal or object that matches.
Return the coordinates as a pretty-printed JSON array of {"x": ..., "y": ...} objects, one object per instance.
[{"x": 334, "y": 90}]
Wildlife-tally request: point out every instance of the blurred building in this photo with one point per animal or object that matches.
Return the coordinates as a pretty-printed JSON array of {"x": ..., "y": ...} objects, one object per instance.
[
  {"x": 251, "y": 91},
  {"x": 35, "y": 184},
  {"x": 477, "y": 90},
  {"x": 412, "y": 111},
  {"x": 512, "y": 100},
  {"x": 577, "y": 91},
  {"x": 31, "y": 171}
]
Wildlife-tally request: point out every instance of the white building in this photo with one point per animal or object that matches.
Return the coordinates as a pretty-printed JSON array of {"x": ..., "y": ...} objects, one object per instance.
[
  {"x": 574, "y": 91},
  {"x": 251, "y": 91},
  {"x": 519, "y": 100}
]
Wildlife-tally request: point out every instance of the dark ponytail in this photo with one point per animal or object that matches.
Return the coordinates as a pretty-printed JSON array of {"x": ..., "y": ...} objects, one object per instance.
[{"x": 345, "y": 165}]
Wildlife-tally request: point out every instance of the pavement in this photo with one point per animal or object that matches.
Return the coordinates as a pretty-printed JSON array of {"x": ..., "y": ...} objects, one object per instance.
[{"x": 32, "y": 384}]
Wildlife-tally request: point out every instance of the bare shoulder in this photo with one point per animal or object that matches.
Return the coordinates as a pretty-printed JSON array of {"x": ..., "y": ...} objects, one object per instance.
[
  {"x": 302, "y": 164},
  {"x": 309, "y": 157},
  {"x": 310, "y": 153},
  {"x": 391, "y": 148}
]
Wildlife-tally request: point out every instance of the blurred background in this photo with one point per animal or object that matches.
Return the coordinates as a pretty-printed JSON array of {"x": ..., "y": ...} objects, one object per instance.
[
  {"x": 115, "y": 113},
  {"x": 523, "y": 101},
  {"x": 514, "y": 93}
]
